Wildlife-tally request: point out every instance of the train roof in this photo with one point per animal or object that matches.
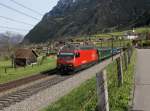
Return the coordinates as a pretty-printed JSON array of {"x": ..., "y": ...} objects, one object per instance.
[{"x": 77, "y": 47}]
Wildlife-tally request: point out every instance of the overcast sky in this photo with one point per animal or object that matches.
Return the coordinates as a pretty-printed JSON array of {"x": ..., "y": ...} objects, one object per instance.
[{"x": 40, "y": 6}]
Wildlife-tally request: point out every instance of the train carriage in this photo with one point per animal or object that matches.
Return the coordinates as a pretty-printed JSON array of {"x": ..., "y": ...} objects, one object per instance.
[{"x": 104, "y": 53}]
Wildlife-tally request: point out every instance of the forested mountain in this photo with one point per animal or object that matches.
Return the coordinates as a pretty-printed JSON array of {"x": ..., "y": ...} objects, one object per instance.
[{"x": 79, "y": 17}]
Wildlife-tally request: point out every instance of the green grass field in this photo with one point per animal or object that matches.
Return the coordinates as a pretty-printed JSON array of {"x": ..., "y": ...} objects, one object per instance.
[
  {"x": 142, "y": 29},
  {"x": 14, "y": 74},
  {"x": 116, "y": 43},
  {"x": 84, "y": 98},
  {"x": 137, "y": 30}
]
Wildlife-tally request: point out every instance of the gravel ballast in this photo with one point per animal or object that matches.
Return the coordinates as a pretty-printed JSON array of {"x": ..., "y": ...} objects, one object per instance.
[{"x": 54, "y": 93}]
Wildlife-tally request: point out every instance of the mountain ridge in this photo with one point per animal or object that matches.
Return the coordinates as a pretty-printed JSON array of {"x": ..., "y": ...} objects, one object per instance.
[
  {"x": 9, "y": 38},
  {"x": 78, "y": 17}
]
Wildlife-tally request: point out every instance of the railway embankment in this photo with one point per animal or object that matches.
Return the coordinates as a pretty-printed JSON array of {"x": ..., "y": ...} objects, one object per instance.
[{"x": 54, "y": 93}]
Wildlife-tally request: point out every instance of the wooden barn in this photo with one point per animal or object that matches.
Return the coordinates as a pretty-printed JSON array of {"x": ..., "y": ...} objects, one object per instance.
[{"x": 24, "y": 57}]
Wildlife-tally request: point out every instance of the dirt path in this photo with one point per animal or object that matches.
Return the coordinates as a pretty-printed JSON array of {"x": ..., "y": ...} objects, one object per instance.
[{"x": 142, "y": 81}]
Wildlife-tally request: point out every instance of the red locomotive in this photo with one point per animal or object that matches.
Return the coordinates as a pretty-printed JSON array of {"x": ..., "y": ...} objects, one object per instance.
[{"x": 74, "y": 58}]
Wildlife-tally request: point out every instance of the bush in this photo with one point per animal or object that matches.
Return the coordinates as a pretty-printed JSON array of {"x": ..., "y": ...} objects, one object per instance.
[{"x": 146, "y": 43}]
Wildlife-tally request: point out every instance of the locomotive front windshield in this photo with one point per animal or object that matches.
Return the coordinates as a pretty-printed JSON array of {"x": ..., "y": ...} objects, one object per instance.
[{"x": 66, "y": 55}]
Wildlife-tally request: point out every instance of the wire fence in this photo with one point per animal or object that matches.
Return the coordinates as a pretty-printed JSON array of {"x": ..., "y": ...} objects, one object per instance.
[{"x": 103, "y": 78}]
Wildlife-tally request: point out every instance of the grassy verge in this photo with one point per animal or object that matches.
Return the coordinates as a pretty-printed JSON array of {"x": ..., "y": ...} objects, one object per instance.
[
  {"x": 14, "y": 74},
  {"x": 119, "y": 97},
  {"x": 137, "y": 30},
  {"x": 84, "y": 98},
  {"x": 80, "y": 99},
  {"x": 116, "y": 43}
]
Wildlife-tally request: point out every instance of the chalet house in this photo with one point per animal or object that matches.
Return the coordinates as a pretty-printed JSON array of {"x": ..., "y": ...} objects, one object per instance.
[{"x": 24, "y": 57}]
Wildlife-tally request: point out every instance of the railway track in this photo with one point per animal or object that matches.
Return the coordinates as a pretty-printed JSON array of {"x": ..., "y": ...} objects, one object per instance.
[
  {"x": 20, "y": 95},
  {"x": 23, "y": 81}
]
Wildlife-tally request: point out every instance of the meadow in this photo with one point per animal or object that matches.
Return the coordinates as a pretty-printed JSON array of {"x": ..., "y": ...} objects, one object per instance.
[{"x": 7, "y": 73}]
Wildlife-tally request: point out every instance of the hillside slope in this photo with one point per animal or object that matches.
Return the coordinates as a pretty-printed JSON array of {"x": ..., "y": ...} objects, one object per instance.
[{"x": 78, "y": 17}]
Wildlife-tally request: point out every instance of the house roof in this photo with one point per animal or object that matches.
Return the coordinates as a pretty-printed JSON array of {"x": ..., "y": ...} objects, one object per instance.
[{"x": 25, "y": 53}]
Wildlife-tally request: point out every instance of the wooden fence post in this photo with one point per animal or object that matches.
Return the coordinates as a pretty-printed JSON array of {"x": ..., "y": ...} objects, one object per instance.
[
  {"x": 131, "y": 51},
  {"x": 120, "y": 71},
  {"x": 112, "y": 46},
  {"x": 125, "y": 60},
  {"x": 25, "y": 67},
  {"x": 102, "y": 91},
  {"x": 5, "y": 70},
  {"x": 129, "y": 55}
]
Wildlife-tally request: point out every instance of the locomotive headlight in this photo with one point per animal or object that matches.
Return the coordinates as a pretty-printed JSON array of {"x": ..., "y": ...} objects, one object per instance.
[{"x": 70, "y": 65}]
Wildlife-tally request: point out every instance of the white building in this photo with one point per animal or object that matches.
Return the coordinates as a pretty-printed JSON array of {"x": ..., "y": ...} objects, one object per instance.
[{"x": 132, "y": 37}]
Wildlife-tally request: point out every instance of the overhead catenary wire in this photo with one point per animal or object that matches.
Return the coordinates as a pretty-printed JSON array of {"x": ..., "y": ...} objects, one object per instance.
[
  {"x": 32, "y": 10},
  {"x": 17, "y": 21},
  {"x": 13, "y": 9}
]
